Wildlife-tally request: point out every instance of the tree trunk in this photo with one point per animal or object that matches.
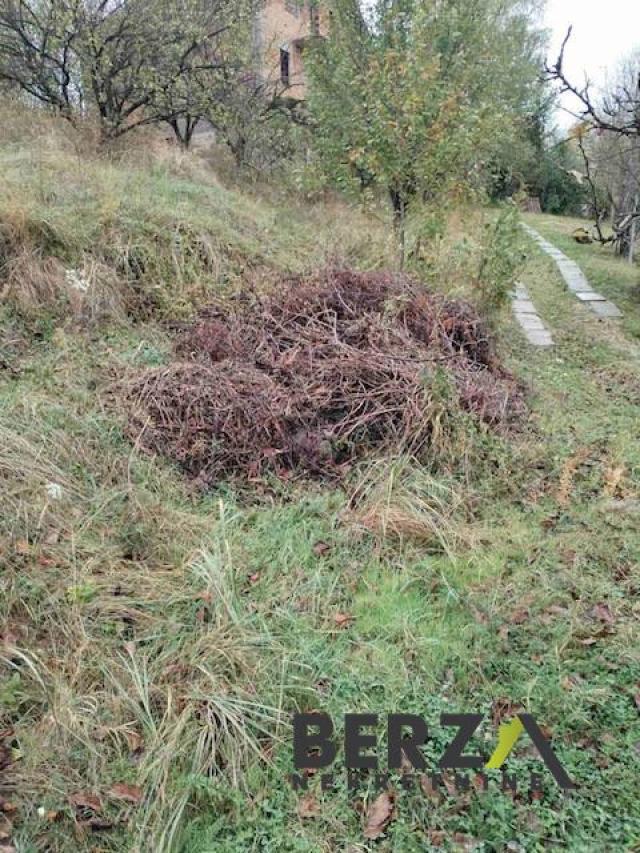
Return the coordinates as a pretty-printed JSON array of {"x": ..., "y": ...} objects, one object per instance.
[
  {"x": 399, "y": 204},
  {"x": 634, "y": 228}
]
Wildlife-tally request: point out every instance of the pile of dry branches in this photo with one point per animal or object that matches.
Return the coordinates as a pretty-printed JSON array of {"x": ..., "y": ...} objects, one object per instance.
[{"x": 316, "y": 374}]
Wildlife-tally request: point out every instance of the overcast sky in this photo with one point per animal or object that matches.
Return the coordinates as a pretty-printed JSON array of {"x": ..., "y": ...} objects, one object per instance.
[{"x": 604, "y": 31}]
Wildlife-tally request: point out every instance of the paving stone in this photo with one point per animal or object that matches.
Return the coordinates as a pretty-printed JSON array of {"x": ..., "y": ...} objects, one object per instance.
[
  {"x": 523, "y": 306},
  {"x": 539, "y": 338},
  {"x": 525, "y": 313},
  {"x": 575, "y": 279},
  {"x": 590, "y": 296},
  {"x": 605, "y": 309},
  {"x": 530, "y": 322}
]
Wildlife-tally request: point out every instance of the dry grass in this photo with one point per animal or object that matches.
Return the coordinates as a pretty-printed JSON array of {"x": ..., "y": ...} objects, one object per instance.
[
  {"x": 126, "y": 659},
  {"x": 398, "y": 500}
]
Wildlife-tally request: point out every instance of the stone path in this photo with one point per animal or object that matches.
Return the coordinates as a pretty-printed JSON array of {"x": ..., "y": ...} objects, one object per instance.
[
  {"x": 575, "y": 279},
  {"x": 528, "y": 319}
]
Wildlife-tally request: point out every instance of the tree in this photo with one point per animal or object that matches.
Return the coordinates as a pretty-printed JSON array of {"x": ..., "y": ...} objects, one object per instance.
[
  {"x": 37, "y": 51},
  {"x": 418, "y": 97},
  {"x": 131, "y": 62},
  {"x": 608, "y": 137}
]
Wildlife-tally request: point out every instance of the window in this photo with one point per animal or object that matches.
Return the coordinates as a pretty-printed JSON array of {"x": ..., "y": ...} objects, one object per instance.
[
  {"x": 314, "y": 19},
  {"x": 285, "y": 66}
]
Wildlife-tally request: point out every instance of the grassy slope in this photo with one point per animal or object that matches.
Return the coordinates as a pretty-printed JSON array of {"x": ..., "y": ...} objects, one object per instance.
[{"x": 150, "y": 629}]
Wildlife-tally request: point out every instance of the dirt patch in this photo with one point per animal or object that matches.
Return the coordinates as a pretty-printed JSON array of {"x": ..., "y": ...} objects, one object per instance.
[{"x": 316, "y": 374}]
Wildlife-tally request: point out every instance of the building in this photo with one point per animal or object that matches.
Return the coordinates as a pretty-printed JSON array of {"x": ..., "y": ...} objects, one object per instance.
[{"x": 283, "y": 28}]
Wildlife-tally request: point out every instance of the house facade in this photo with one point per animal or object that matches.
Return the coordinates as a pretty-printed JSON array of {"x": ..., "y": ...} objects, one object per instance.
[{"x": 283, "y": 29}]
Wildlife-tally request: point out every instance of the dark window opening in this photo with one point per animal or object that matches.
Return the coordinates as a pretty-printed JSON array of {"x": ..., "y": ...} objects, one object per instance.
[
  {"x": 285, "y": 67},
  {"x": 314, "y": 15}
]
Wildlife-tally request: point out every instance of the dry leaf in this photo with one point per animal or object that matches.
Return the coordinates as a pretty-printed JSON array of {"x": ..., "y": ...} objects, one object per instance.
[
  {"x": 134, "y": 741},
  {"x": 603, "y": 613},
  {"x": 557, "y": 610},
  {"x": 97, "y": 824},
  {"x": 22, "y": 547},
  {"x": 428, "y": 789},
  {"x": 502, "y": 709},
  {"x": 85, "y": 800},
  {"x": 518, "y": 617},
  {"x": 612, "y": 479},
  {"x": 123, "y": 791},
  {"x": 342, "y": 620},
  {"x": 308, "y": 807},
  {"x": 321, "y": 548},
  {"x": 379, "y": 815},
  {"x": 465, "y": 842}
]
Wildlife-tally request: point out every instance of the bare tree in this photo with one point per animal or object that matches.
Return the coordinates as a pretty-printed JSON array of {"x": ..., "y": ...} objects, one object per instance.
[
  {"x": 37, "y": 51},
  {"x": 609, "y": 142},
  {"x": 131, "y": 62}
]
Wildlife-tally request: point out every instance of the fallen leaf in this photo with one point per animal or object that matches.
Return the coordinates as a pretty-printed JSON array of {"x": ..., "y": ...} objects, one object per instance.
[
  {"x": 308, "y": 807},
  {"x": 135, "y": 742},
  {"x": 52, "y": 815},
  {"x": 84, "y": 800},
  {"x": 603, "y": 613},
  {"x": 465, "y": 842},
  {"x": 518, "y": 617},
  {"x": 321, "y": 548},
  {"x": 22, "y": 547},
  {"x": 557, "y": 610},
  {"x": 379, "y": 815},
  {"x": 612, "y": 478},
  {"x": 342, "y": 620},
  {"x": 502, "y": 709},
  {"x": 97, "y": 824},
  {"x": 123, "y": 791},
  {"x": 428, "y": 789}
]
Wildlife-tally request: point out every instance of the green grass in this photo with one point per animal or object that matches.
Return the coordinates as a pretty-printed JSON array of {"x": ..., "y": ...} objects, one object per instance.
[
  {"x": 608, "y": 274},
  {"x": 160, "y": 638}
]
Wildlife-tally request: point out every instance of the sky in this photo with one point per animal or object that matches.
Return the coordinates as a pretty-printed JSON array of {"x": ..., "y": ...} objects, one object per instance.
[{"x": 604, "y": 32}]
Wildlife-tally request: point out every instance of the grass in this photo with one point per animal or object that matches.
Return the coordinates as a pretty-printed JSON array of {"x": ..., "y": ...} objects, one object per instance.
[
  {"x": 606, "y": 272},
  {"x": 159, "y": 639}
]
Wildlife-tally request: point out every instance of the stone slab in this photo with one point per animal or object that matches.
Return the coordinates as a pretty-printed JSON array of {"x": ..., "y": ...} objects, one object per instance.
[
  {"x": 605, "y": 309},
  {"x": 530, "y": 322},
  {"x": 523, "y": 306},
  {"x": 539, "y": 338},
  {"x": 575, "y": 279},
  {"x": 590, "y": 296}
]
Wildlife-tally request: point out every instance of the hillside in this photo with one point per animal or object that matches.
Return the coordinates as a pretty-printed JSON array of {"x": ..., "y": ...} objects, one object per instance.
[{"x": 157, "y": 637}]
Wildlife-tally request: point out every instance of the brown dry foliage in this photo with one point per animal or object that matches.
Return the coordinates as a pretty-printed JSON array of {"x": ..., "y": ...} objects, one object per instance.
[{"x": 311, "y": 376}]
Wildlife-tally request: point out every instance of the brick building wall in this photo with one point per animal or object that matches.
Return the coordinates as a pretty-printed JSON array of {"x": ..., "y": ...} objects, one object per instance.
[{"x": 282, "y": 30}]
